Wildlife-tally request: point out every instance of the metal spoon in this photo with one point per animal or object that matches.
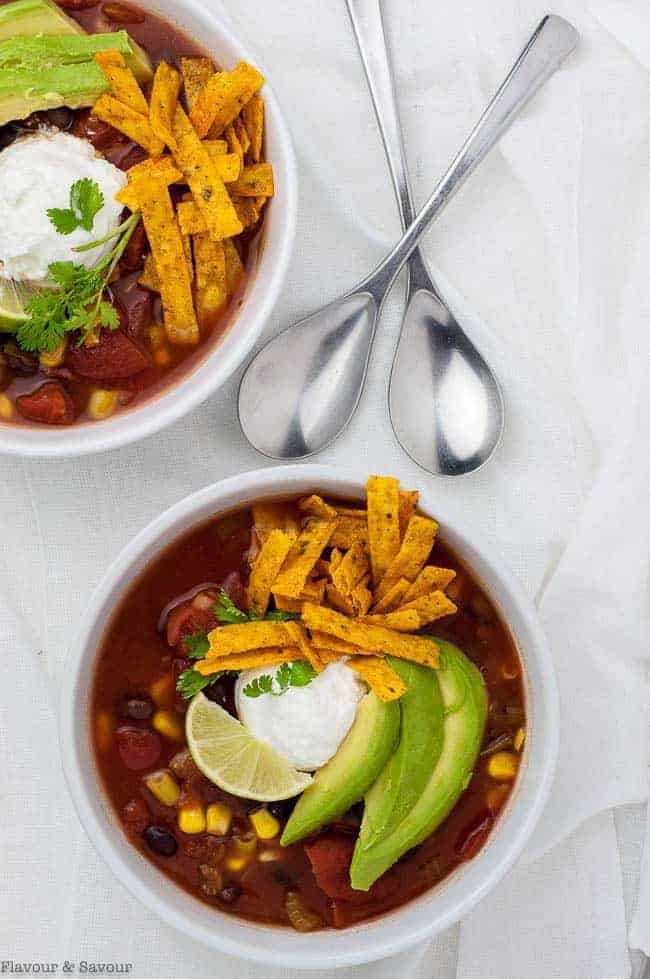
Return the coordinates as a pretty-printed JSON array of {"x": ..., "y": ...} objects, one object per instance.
[{"x": 301, "y": 389}]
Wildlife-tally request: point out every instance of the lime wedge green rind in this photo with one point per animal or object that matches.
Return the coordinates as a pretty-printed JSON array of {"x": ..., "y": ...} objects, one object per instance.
[{"x": 13, "y": 297}]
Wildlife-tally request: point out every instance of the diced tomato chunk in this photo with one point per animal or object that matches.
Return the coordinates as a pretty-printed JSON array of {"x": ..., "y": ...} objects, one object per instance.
[
  {"x": 138, "y": 747},
  {"x": 330, "y": 855},
  {"x": 50, "y": 404},
  {"x": 115, "y": 356}
]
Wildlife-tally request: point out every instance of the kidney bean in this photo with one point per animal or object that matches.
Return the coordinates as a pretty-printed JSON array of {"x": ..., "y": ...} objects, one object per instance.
[
  {"x": 115, "y": 356},
  {"x": 50, "y": 404},
  {"x": 136, "y": 249},
  {"x": 101, "y": 134},
  {"x": 62, "y": 118},
  {"x": 234, "y": 589},
  {"x": 138, "y": 747},
  {"x": 19, "y": 360},
  {"x": 472, "y": 838},
  {"x": 129, "y": 157},
  {"x": 160, "y": 841},
  {"x": 121, "y": 13}
]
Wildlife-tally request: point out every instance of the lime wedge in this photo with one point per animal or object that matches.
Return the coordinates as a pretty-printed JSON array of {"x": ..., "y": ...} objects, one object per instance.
[
  {"x": 13, "y": 297},
  {"x": 228, "y": 754}
]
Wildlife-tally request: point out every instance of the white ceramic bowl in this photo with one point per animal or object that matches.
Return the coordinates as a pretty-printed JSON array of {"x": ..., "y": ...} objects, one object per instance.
[
  {"x": 420, "y": 918},
  {"x": 262, "y": 290}
]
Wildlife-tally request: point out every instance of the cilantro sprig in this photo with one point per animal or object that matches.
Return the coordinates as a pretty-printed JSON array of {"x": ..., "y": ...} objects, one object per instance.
[
  {"x": 86, "y": 201},
  {"x": 77, "y": 302},
  {"x": 298, "y": 674},
  {"x": 190, "y": 682}
]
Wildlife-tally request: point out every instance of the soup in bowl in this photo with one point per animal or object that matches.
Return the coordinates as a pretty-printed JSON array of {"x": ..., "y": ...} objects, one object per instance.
[{"x": 304, "y": 722}]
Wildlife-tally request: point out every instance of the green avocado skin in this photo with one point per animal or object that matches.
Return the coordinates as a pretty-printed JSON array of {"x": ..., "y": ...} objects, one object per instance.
[
  {"x": 464, "y": 701},
  {"x": 346, "y": 778}
]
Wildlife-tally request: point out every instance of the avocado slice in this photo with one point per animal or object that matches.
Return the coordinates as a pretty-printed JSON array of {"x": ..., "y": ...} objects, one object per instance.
[
  {"x": 23, "y": 92},
  {"x": 407, "y": 772},
  {"x": 54, "y": 50},
  {"x": 26, "y": 18},
  {"x": 465, "y": 711},
  {"x": 349, "y": 774}
]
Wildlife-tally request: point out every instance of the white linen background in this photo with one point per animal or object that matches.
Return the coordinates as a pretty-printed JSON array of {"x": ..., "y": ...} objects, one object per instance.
[{"x": 544, "y": 255}]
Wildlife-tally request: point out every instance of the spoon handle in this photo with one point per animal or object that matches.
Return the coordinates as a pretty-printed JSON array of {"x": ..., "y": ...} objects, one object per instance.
[
  {"x": 553, "y": 40},
  {"x": 368, "y": 26}
]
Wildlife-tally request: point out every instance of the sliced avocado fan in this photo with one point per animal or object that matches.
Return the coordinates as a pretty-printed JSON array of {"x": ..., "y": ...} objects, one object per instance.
[{"x": 399, "y": 816}]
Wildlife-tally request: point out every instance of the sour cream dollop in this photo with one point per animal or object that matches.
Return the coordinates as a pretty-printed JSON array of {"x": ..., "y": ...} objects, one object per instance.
[
  {"x": 36, "y": 173},
  {"x": 305, "y": 725}
]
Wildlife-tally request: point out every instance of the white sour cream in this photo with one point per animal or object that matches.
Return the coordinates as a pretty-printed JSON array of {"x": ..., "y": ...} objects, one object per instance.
[
  {"x": 36, "y": 173},
  {"x": 305, "y": 725}
]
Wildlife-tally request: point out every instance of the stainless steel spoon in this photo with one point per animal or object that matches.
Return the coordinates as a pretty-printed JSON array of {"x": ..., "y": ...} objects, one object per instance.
[{"x": 301, "y": 389}]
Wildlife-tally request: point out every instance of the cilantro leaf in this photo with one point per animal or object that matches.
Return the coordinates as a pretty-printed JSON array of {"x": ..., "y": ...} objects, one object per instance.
[
  {"x": 191, "y": 682},
  {"x": 283, "y": 678},
  {"x": 63, "y": 219},
  {"x": 302, "y": 673},
  {"x": 86, "y": 200},
  {"x": 108, "y": 316},
  {"x": 227, "y": 612},
  {"x": 279, "y": 615},
  {"x": 288, "y": 675},
  {"x": 196, "y": 645},
  {"x": 260, "y": 685}
]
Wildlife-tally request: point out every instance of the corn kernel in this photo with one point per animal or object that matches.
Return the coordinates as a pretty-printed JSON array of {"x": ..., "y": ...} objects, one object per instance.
[
  {"x": 520, "y": 738},
  {"x": 191, "y": 818},
  {"x": 102, "y": 404},
  {"x": 218, "y": 819},
  {"x": 510, "y": 670},
  {"x": 162, "y": 690},
  {"x": 103, "y": 731},
  {"x": 162, "y": 357},
  {"x": 269, "y": 855},
  {"x": 169, "y": 725},
  {"x": 54, "y": 358},
  {"x": 265, "y": 825},
  {"x": 243, "y": 847},
  {"x": 164, "y": 786},
  {"x": 6, "y": 407},
  {"x": 236, "y": 864},
  {"x": 502, "y": 766},
  {"x": 157, "y": 337},
  {"x": 496, "y": 797}
]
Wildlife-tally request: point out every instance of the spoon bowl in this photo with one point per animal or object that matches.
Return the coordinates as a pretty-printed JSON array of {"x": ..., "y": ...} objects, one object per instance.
[{"x": 312, "y": 375}]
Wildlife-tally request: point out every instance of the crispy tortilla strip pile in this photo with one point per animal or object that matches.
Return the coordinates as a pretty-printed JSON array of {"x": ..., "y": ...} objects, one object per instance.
[
  {"x": 359, "y": 580},
  {"x": 217, "y": 153}
]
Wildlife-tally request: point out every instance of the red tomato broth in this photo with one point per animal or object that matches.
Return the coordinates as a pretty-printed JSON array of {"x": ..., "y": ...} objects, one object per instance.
[
  {"x": 163, "y": 41},
  {"x": 135, "y": 653}
]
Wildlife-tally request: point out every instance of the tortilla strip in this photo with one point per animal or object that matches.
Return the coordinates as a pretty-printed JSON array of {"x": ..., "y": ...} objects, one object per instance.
[
  {"x": 216, "y": 147},
  {"x": 306, "y": 551},
  {"x": 338, "y": 600},
  {"x": 149, "y": 275},
  {"x": 246, "y": 636},
  {"x": 412, "y": 555},
  {"x": 350, "y": 530},
  {"x": 253, "y": 116},
  {"x": 336, "y": 557},
  {"x": 379, "y": 676},
  {"x": 248, "y": 661},
  {"x": 317, "y": 507},
  {"x": 429, "y": 607},
  {"x": 196, "y": 72},
  {"x": 228, "y": 165},
  {"x": 210, "y": 264},
  {"x": 299, "y": 636},
  {"x": 190, "y": 219},
  {"x": 314, "y": 591},
  {"x": 133, "y": 124},
  {"x": 321, "y": 640},
  {"x": 353, "y": 567},
  {"x": 223, "y": 96},
  {"x": 328, "y": 656},
  {"x": 371, "y": 638},
  {"x": 234, "y": 268},
  {"x": 429, "y": 579},
  {"x": 208, "y": 189},
  {"x": 274, "y": 516},
  {"x": 361, "y": 596},
  {"x": 393, "y": 596},
  {"x": 247, "y": 210},
  {"x": 268, "y": 562},
  {"x": 408, "y": 501},
  {"x": 161, "y": 169},
  {"x": 242, "y": 135},
  {"x": 254, "y": 181},
  {"x": 169, "y": 256},
  {"x": 383, "y": 523},
  {"x": 232, "y": 139},
  {"x": 163, "y": 102},
  {"x": 403, "y": 620},
  {"x": 124, "y": 85}
]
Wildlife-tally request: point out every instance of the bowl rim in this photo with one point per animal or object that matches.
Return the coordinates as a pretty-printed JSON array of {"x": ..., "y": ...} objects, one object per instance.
[
  {"x": 183, "y": 395},
  {"x": 390, "y": 933}
]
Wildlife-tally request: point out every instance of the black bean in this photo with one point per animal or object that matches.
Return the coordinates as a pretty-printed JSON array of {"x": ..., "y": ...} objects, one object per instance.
[
  {"x": 160, "y": 841},
  {"x": 230, "y": 894},
  {"x": 137, "y": 707},
  {"x": 61, "y": 118},
  {"x": 282, "y": 810}
]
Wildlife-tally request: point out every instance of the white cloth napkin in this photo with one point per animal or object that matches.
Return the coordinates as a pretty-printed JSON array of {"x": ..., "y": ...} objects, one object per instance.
[{"x": 543, "y": 256}]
